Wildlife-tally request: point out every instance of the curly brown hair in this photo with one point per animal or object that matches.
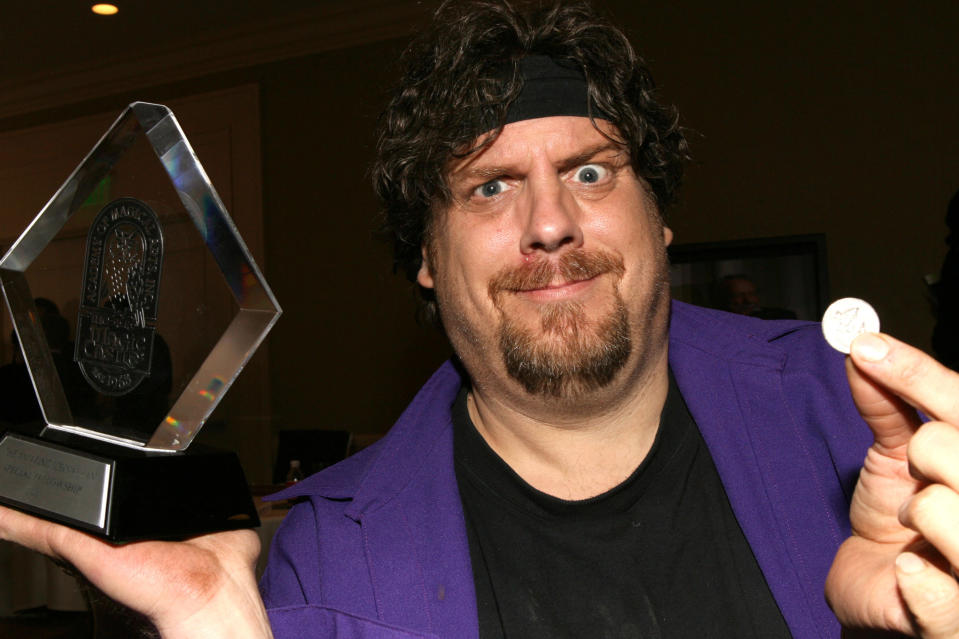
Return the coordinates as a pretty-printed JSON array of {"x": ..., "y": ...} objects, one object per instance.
[{"x": 460, "y": 77}]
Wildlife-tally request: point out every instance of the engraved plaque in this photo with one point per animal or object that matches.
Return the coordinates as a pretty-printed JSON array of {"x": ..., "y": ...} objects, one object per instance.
[
  {"x": 136, "y": 305},
  {"x": 54, "y": 480}
]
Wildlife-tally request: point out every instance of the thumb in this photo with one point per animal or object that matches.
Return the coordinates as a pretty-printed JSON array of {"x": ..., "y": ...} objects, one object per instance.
[
  {"x": 892, "y": 420},
  {"x": 931, "y": 595}
]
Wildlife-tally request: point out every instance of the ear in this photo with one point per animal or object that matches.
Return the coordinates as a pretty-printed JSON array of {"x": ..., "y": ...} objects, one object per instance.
[
  {"x": 667, "y": 236},
  {"x": 424, "y": 277}
]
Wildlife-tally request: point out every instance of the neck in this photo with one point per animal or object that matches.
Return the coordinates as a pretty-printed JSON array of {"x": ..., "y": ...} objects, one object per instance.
[{"x": 576, "y": 454}]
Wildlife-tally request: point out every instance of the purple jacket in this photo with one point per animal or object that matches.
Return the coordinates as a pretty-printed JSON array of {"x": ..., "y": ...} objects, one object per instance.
[{"x": 379, "y": 549}]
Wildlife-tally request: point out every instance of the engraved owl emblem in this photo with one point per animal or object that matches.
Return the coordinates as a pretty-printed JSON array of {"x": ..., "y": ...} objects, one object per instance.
[{"x": 123, "y": 271}]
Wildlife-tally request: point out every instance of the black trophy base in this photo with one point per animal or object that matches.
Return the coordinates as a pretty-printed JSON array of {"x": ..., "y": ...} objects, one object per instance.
[{"x": 123, "y": 494}]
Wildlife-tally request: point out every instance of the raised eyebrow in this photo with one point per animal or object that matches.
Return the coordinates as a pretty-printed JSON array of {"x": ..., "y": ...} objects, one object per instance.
[
  {"x": 487, "y": 172},
  {"x": 474, "y": 174},
  {"x": 587, "y": 155}
]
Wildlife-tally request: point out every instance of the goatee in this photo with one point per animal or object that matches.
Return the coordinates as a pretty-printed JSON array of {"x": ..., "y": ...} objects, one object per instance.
[{"x": 571, "y": 355}]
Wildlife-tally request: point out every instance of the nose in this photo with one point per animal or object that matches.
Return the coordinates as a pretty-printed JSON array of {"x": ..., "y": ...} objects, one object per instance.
[{"x": 552, "y": 218}]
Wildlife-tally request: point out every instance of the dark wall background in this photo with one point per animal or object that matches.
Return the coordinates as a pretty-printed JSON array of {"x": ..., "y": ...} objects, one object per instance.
[
  {"x": 348, "y": 352},
  {"x": 805, "y": 118},
  {"x": 833, "y": 118}
]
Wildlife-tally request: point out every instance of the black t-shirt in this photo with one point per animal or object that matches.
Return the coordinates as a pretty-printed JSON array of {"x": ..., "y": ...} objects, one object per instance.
[{"x": 659, "y": 556}]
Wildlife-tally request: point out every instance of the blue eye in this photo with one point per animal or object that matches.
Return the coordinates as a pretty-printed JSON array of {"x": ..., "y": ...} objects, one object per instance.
[
  {"x": 590, "y": 173},
  {"x": 490, "y": 189}
]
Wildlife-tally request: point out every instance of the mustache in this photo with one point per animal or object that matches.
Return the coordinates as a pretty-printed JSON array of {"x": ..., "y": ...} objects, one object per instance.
[{"x": 575, "y": 265}]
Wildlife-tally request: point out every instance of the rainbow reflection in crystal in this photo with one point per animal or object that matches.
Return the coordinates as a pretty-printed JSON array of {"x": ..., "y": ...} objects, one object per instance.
[{"x": 211, "y": 391}]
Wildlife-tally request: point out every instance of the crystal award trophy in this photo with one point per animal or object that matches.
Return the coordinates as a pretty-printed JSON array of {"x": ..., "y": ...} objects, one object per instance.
[{"x": 136, "y": 259}]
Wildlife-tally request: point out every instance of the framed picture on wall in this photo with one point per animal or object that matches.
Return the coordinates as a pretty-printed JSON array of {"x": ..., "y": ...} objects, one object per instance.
[{"x": 773, "y": 277}]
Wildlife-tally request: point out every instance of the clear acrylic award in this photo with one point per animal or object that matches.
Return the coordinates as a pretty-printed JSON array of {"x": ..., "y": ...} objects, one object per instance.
[{"x": 168, "y": 306}]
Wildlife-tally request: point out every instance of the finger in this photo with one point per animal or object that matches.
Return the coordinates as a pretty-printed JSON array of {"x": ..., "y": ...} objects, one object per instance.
[
  {"x": 908, "y": 373},
  {"x": 86, "y": 553},
  {"x": 934, "y": 453},
  {"x": 26, "y": 530},
  {"x": 933, "y": 512},
  {"x": 931, "y": 594}
]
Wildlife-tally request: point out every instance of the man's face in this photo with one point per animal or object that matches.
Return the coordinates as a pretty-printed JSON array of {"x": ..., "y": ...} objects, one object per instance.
[
  {"x": 742, "y": 296},
  {"x": 549, "y": 265}
]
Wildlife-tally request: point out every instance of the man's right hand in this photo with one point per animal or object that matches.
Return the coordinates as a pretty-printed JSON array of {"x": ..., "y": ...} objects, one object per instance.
[{"x": 202, "y": 587}]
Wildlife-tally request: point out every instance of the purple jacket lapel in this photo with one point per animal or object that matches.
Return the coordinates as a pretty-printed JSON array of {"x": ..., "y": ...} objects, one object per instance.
[{"x": 412, "y": 520}]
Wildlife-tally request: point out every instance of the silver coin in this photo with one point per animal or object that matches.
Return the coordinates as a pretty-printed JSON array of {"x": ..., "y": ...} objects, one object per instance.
[{"x": 846, "y": 319}]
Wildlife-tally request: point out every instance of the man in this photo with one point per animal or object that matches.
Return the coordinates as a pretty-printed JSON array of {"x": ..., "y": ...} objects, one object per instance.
[{"x": 597, "y": 462}]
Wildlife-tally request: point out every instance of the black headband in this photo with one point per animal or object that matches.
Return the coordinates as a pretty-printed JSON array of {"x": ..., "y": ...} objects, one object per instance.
[{"x": 550, "y": 87}]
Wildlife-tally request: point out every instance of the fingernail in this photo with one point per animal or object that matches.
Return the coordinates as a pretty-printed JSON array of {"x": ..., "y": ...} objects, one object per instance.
[
  {"x": 870, "y": 347},
  {"x": 909, "y": 563},
  {"x": 904, "y": 510}
]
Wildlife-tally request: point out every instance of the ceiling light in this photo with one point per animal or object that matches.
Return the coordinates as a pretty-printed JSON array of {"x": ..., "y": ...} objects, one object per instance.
[{"x": 104, "y": 9}]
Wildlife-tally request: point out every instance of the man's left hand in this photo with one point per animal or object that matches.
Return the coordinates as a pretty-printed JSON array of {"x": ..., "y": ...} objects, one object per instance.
[{"x": 897, "y": 570}]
